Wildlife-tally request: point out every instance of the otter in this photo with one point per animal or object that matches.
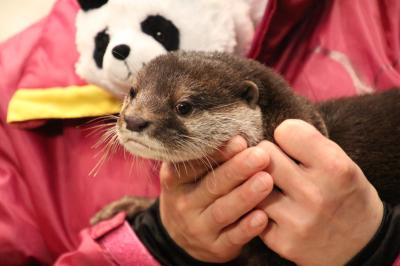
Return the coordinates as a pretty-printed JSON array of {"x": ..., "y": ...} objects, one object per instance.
[{"x": 184, "y": 105}]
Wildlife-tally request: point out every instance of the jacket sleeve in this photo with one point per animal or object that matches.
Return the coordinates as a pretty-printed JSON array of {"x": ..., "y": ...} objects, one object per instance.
[
  {"x": 108, "y": 243},
  {"x": 88, "y": 253},
  {"x": 149, "y": 229},
  {"x": 384, "y": 247}
]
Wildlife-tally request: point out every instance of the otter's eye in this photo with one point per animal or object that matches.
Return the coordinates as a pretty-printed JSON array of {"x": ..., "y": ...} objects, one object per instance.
[
  {"x": 132, "y": 93},
  {"x": 183, "y": 108}
]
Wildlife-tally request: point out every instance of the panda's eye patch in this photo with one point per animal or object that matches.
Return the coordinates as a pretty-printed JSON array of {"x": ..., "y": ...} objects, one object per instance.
[
  {"x": 101, "y": 42},
  {"x": 162, "y": 30}
]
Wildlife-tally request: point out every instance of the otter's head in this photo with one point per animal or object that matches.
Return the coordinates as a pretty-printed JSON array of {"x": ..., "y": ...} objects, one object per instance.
[{"x": 184, "y": 106}]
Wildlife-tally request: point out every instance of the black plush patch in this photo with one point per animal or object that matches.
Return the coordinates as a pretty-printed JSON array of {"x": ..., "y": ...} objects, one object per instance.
[
  {"x": 101, "y": 42},
  {"x": 121, "y": 52},
  {"x": 91, "y": 4},
  {"x": 162, "y": 30}
]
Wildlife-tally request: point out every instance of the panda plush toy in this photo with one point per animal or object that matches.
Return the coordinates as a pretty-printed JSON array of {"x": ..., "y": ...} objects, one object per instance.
[{"x": 115, "y": 38}]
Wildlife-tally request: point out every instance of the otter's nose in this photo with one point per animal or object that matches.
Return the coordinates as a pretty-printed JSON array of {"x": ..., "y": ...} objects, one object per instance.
[
  {"x": 121, "y": 51},
  {"x": 136, "y": 124}
]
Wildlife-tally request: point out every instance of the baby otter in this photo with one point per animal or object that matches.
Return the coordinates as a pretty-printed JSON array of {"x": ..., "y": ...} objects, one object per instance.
[{"x": 184, "y": 105}]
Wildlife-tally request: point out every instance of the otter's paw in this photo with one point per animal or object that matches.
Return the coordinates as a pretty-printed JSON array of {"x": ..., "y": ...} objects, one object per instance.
[{"x": 128, "y": 204}]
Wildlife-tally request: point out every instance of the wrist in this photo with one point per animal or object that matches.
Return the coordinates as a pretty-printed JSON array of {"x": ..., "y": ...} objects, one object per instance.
[
  {"x": 150, "y": 230},
  {"x": 369, "y": 249},
  {"x": 368, "y": 226}
]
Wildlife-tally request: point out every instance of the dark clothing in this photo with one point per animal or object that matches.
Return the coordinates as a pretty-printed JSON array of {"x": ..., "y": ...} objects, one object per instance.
[{"x": 381, "y": 250}]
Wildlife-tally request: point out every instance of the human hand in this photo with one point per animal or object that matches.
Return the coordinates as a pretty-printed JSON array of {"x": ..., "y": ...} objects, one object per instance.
[
  {"x": 326, "y": 211},
  {"x": 210, "y": 219}
]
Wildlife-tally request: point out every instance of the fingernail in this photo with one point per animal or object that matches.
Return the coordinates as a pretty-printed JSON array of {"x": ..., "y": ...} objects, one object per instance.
[
  {"x": 256, "y": 157},
  {"x": 260, "y": 183},
  {"x": 257, "y": 220}
]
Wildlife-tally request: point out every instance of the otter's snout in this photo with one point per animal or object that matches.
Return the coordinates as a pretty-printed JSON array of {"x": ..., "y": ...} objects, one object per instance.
[{"x": 136, "y": 124}]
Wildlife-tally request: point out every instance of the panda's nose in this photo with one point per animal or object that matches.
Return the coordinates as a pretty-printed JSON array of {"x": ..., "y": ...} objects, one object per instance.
[{"x": 121, "y": 51}]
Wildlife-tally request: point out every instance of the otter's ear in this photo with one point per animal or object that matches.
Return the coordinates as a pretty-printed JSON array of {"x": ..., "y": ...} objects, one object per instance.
[
  {"x": 91, "y": 4},
  {"x": 250, "y": 93}
]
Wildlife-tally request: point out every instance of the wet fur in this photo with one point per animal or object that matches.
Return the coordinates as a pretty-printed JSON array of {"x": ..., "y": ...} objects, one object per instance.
[{"x": 366, "y": 127}]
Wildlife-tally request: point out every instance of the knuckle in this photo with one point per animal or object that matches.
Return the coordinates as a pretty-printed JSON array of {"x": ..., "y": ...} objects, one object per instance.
[
  {"x": 243, "y": 196},
  {"x": 232, "y": 239},
  {"x": 238, "y": 236},
  {"x": 304, "y": 227},
  {"x": 258, "y": 156},
  {"x": 319, "y": 203},
  {"x": 218, "y": 213},
  {"x": 334, "y": 156},
  {"x": 316, "y": 199},
  {"x": 166, "y": 171},
  {"x": 182, "y": 205},
  {"x": 266, "y": 145},
  {"x": 331, "y": 154},
  {"x": 229, "y": 173},
  {"x": 234, "y": 146},
  {"x": 212, "y": 185},
  {"x": 343, "y": 170},
  {"x": 257, "y": 153}
]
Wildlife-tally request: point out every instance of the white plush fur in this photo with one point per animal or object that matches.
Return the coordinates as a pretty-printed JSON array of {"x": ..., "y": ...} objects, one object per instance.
[{"x": 208, "y": 25}]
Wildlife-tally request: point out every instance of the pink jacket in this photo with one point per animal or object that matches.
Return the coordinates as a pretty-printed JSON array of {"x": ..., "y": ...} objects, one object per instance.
[{"x": 324, "y": 49}]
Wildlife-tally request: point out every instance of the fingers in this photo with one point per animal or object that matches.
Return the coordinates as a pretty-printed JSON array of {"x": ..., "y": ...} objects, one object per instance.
[
  {"x": 331, "y": 166},
  {"x": 302, "y": 142},
  {"x": 245, "y": 230},
  {"x": 284, "y": 171},
  {"x": 229, "y": 208},
  {"x": 231, "y": 174},
  {"x": 187, "y": 172},
  {"x": 271, "y": 235},
  {"x": 277, "y": 206}
]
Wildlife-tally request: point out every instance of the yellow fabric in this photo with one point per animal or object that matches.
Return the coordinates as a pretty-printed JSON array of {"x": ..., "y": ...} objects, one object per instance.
[{"x": 66, "y": 102}]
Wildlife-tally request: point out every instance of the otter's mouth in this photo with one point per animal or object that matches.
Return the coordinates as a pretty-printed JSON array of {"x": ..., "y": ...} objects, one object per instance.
[
  {"x": 144, "y": 150},
  {"x": 139, "y": 143}
]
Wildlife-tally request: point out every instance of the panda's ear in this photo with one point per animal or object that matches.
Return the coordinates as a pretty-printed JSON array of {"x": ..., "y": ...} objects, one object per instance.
[
  {"x": 91, "y": 4},
  {"x": 249, "y": 92}
]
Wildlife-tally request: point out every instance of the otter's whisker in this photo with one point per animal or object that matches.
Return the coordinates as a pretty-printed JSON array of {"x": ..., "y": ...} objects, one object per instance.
[
  {"x": 101, "y": 119},
  {"x": 109, "y": 132},
  {"x": 98, "y": 129},
  {"x": 110, "y": 139}
]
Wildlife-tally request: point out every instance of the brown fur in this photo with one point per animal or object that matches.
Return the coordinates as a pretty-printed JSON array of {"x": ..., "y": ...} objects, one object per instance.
[{"x": 218, "y": 85}]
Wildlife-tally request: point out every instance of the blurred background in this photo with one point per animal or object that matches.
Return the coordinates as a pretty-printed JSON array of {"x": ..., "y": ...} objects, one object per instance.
[{"x": 16, "y": 15}]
